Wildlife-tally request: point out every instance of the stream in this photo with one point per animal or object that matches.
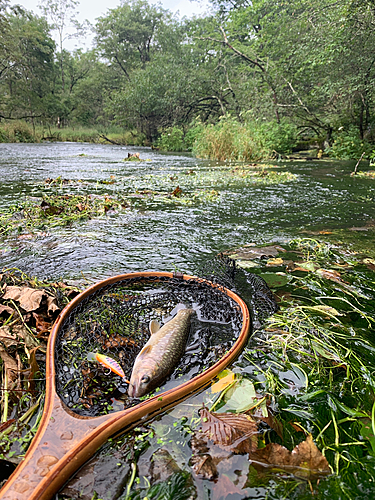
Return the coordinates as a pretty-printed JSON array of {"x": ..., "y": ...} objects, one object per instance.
[
  {"x": 160, "y": 236},
  {"x": 177, "y": 212}
]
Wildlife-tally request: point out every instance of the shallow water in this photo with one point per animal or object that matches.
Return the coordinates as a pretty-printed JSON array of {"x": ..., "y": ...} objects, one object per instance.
[{"x": 161, "y": 236}]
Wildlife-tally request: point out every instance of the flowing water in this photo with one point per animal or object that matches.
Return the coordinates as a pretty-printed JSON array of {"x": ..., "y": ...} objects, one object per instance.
[
  {"x": 218, "y": 208},
  {"x": 165, "y": 236}
]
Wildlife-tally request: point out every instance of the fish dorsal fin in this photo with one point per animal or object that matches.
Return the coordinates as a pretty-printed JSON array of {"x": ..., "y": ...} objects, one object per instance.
[{"x": 154, "y": 326}]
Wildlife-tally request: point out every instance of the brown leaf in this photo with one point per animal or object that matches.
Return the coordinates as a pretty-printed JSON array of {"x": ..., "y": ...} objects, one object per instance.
[
  {"x": 52, "y": 307},
  {"x": 304, "y": 461},
  {"x": 7, "y": 337},
  {"x": 28, "y": 298},
  {"x": 41, "y": 325},
  {"x": 201, "y": 461},
  {"x": 177, "y": 192},
  {"x": 221, "y": 435},
  {"x": 6, "y": 424},
  {"x": 270, "y": 420},
  {"x": 330, "y": 274},
  {"x": 6, "y": 311},
  {"x": 31, "y": 300},
  {"x": 15, "y": 334},
  {"x": 34, "y": 368},
  {"x": 10, "y": 365},
  {"x": 50, "y": 209},
  {"x": 236, "y": 433}
]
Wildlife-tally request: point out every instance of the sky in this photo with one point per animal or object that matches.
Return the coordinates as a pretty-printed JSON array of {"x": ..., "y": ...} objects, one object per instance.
[{"x": 92, "y": 9}]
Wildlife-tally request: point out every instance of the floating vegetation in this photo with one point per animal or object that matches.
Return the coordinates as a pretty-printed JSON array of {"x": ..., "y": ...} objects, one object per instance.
[{"x": 55, "y": 210}]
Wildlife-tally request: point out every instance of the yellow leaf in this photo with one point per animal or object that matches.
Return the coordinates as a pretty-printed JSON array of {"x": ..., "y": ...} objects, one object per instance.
[
  {"x": 274, "y": 262},
  {"x": 226, "y": 377}
]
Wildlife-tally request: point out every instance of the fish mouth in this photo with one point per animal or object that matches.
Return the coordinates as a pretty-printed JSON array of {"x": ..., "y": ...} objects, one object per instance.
[{"x": 131, "y": 390}]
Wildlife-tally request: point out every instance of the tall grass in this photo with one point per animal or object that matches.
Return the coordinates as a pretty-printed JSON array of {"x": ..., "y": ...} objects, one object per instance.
[
  {"x": 17, "y": 131},
  {"x": 231, "y": 140}
]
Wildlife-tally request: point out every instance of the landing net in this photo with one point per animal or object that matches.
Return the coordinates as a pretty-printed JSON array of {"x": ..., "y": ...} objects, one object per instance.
[{"x": 114, "y": 321}]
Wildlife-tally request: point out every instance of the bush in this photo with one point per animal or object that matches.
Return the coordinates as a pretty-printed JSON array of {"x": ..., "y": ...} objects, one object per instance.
[
  {"x": 278, "y": 137},
  {"x": 17, "y": 131},
  {"x": 172, "y": 139},
  {"x": 348, "y": 145}
]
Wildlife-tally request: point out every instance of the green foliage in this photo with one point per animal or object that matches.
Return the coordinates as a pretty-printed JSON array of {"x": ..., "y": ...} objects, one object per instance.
[
  {"x": 348, "y": 145},
  {"x": 229, "y": 140},
  {"x": 172, "y": 139},
  {"x": 278, "y": 137},
  {"x": 17, "y": 131}
]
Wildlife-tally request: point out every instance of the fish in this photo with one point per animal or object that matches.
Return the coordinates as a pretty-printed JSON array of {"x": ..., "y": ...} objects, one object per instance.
[
  {"x": 161, "y": 354},
  {"x": 107, "y": 362}
]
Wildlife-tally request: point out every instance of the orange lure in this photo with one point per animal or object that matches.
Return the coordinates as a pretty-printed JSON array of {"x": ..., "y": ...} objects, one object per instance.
[{"x": 107, "y": 362}]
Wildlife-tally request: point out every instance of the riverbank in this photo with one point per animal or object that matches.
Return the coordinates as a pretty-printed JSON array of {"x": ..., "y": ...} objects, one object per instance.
[{"x": 227, "y": 140}]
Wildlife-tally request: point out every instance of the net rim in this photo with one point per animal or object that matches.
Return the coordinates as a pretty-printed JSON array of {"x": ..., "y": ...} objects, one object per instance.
[
  {"x": 201, "y": 379},
  {"x": 91, "y": 432}
]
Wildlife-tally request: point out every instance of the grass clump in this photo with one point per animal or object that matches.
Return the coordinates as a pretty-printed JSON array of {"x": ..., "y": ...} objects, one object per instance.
[
  {"x": 17, "y": 131},
  {"x": 230, "y": 140}
]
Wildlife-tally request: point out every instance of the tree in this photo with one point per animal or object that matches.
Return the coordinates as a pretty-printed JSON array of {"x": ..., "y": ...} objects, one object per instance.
[
  {"x": 128, "y": 35},
  {"x": 63, "y": 15},
  {"x": 27, "y": 82}
]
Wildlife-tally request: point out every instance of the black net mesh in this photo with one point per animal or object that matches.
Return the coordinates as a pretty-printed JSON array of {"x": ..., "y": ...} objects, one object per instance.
[{"x": 114, "y": 321}]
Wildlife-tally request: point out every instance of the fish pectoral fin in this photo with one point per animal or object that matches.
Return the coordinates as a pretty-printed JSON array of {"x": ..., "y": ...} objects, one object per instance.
[
  {"x": 154, "y": 326},
  {"x": 146, "y": 350}
]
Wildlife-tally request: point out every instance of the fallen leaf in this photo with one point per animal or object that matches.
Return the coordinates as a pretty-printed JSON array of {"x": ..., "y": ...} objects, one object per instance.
[
  {"x": 226, "y": 377},
  {"x": 304, "y": 461},
  {"x": 268, "y": 418},
  {"x": 28, "y": 298},
  {"x": 274, "y": 262},
  {"x": 10, "y": 365},
  {"x": 241, "y": 397},
  {"x": 274, "y": 280},
  {"x": 296, "y": 426},
  {"x": 34, "y": 368},
  {"x": 6, "y": 424},
  {"x": 329, "y": 274},
  {"x": 305, "y": 266},
  {"x": 41, "y": 325},
  {"x": 177, "y": 192},
  {"x": 15, "y": 334},
  {"x": 6, "y": 311},
  {"x": 52, "y": 306},
  {"x": 234, "y": 433},
  {"x": 31, "y": 300},
  {"x": 7, "y": 337}
]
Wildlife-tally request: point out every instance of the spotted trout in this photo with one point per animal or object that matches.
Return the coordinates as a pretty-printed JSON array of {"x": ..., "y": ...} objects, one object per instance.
[{"x": 160, "y": 355}]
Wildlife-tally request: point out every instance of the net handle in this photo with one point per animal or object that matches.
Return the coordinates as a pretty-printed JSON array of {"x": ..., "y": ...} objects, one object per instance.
[{"x": 65, "y": 441}]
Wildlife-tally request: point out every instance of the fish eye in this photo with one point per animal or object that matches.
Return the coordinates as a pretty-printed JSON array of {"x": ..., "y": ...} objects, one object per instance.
[{"x": 145, "y": 379}]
